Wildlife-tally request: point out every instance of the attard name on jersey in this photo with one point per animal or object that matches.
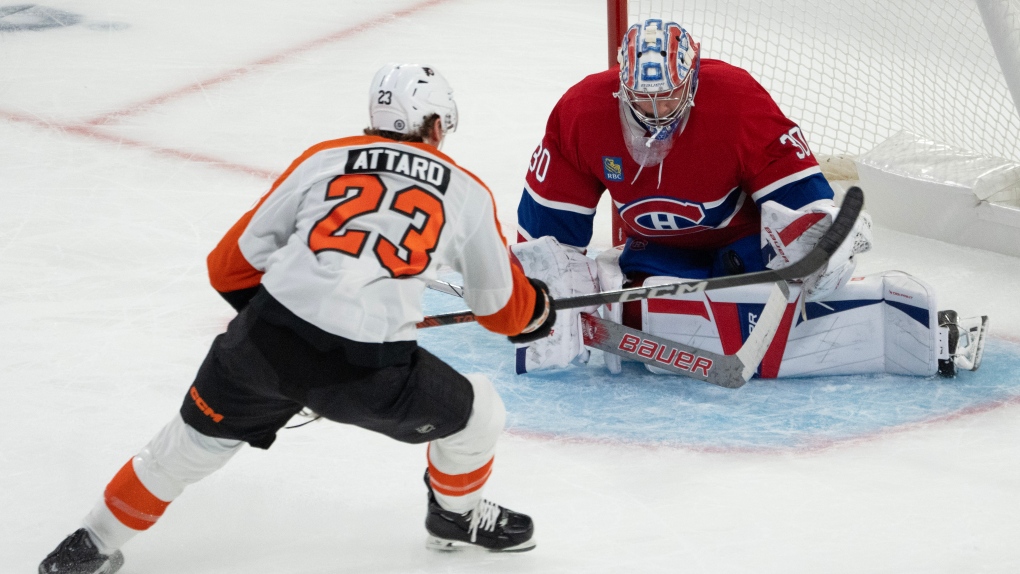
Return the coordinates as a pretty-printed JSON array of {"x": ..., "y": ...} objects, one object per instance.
[{"x": 383, "y": 159}]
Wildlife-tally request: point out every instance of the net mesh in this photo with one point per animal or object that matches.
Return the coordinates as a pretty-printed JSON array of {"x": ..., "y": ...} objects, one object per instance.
[{"x": 854, "y": 72}]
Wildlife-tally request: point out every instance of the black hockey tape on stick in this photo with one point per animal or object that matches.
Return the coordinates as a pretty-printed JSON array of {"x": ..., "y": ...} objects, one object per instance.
[{"x": 853, "y": 203}]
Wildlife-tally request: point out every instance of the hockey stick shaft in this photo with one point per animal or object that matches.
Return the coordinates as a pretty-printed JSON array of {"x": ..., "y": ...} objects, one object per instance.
[
  {"x": 730, "y": 371},
  {"x": 842, "y": 225}
]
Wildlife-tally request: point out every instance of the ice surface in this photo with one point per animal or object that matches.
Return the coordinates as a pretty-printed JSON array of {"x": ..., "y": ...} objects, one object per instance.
[{"x": 132, "y": 139}]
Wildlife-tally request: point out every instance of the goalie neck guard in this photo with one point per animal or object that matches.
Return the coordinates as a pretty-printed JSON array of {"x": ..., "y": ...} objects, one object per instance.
[{"x": 402, "y": 96}]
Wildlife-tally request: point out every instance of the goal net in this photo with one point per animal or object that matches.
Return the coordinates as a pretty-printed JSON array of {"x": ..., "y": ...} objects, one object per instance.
[{"x": 855, "y": 72}]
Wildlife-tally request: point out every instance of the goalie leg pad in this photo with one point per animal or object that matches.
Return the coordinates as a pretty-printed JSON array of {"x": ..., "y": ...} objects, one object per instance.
[
  {"x": 880, "y": 323},
  {"x": 611, "y": 278},
  {"x": 719, "y": 322}
]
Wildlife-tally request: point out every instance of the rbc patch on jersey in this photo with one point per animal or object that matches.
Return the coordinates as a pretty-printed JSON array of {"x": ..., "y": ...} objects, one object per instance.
[{"x": 613, "y": 168}]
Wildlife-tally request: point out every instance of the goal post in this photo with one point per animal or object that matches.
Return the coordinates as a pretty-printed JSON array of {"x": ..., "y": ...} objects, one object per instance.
[
  {"x": 616, "y": 19},
  {"x": 617, "y": 22},
  {"x": 1002, "y": 20}
]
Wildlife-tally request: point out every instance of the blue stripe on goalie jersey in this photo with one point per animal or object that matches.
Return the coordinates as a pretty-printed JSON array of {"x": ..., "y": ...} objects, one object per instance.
[
  {"x": 567, "y": 227},
  {"x": 797, "y": 194},
  {"x": 823, "y": 308}
]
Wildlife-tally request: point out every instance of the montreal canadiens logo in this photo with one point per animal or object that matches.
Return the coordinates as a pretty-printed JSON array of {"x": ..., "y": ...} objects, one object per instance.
[{"x": 658, "y": 217}]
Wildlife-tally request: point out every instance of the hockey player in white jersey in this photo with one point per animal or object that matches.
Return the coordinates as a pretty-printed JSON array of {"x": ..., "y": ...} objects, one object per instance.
[{"x": 327, "y": 273}]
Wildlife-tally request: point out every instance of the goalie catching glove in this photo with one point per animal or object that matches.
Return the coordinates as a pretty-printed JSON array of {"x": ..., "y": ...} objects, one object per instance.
[
  {"x": 542, "y": 319},
  {"x": 787, "y": 235}
]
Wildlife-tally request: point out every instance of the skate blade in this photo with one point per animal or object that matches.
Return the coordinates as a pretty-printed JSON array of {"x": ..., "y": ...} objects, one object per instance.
[
  {"x": 444, "y": 545},
  {"x": 113, "y": 563},
  {"x": 979, "y": 336},
  {"x": 970, "y": 358}
]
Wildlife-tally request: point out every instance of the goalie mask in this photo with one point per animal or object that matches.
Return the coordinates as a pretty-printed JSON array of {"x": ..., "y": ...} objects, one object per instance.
[
  {"x": 658, "y": 79},
  {"x": 658, "y": 72},
  {"x": 402, "y": 96}
]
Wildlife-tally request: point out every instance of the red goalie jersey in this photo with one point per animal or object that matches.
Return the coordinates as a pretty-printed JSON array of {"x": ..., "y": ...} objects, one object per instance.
[{"x": 736, "y": 151}]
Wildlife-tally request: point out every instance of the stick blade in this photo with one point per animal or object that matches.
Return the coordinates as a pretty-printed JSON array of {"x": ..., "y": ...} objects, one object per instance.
[{"x": 670, "y": 356}]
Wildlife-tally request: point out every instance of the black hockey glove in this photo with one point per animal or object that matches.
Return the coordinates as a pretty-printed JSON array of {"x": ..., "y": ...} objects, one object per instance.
[{"x": 542, "y": 320}]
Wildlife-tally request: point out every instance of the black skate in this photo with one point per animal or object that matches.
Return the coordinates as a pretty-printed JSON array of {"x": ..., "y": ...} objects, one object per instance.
[
  {"x": 77, "y": 554},
  {"x": 964, "y": 342},
  {"x": 488, "y": 526}
]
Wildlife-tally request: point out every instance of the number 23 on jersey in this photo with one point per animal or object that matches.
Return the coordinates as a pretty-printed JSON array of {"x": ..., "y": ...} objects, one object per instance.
[{"x": 362, "y": 195}]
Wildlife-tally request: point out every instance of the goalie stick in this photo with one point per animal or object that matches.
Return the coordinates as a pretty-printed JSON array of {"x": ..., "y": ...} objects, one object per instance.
[
  {"x": 730, "y": 371},
  {"x": 841, "y": 226}
]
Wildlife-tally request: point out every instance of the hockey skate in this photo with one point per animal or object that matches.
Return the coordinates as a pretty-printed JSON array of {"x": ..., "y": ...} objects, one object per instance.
[
  {"x": 488, "y": 525},
  {"x": 964, "y": 342},
  {"x": 77, "y": 554}
]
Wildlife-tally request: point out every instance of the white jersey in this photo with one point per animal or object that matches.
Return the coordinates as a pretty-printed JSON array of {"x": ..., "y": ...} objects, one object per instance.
[{"x": 348, "y": 233}]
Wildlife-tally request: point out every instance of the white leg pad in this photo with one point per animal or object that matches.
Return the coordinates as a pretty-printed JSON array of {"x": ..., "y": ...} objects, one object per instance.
[
  {"x": 886, "y": 322},
  {"x": 473, "y": 446},
  {"x": 611, "y": 279}
]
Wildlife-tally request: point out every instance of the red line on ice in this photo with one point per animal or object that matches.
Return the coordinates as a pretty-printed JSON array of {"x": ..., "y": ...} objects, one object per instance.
[
  {"x": 816, "y": 446},
  {"x": 242, "y": 71},
  {"x": 88, "y": 128},
  {"x": 96, "y": 134}
]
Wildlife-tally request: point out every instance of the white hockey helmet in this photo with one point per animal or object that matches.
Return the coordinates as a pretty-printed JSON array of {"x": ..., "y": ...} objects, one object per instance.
[
  {"x": 659, "y": 70},
  {"x": 402, "y": 96}
]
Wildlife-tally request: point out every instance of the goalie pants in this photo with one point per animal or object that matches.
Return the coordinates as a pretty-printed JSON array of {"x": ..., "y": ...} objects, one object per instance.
[
  {"x": 267, "y": 367},
  {"x": 643, "y": 258}
]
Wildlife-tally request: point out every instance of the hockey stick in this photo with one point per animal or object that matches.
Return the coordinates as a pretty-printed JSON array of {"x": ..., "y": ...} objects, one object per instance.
[
  {"x": 730, "y": 371},
  {"x": 853, "y": 202}
]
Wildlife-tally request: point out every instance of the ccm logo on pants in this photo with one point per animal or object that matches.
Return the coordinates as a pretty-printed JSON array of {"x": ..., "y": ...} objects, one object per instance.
[{"x": 202, "y": 406}]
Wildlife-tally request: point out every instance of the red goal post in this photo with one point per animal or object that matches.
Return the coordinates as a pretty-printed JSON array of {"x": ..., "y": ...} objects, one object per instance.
[{"x": 616, "y": 12}]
